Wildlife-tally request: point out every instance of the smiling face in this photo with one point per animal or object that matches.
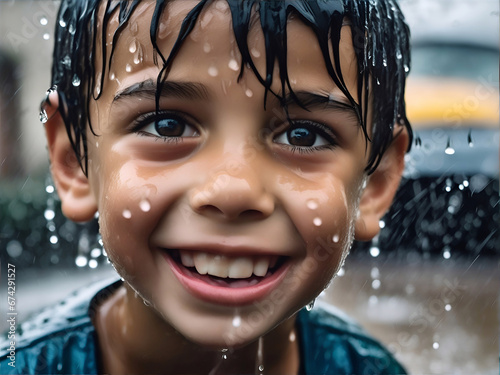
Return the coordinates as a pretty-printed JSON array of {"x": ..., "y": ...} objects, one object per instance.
[{"x": 221, "y": 213}]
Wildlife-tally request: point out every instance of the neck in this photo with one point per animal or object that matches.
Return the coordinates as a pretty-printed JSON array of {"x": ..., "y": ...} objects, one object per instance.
[{"x": 133, "y": 338}]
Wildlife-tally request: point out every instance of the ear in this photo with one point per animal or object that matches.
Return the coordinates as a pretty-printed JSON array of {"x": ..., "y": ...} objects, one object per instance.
[
  {"x": 381, "y": 187},
  {"x": 77, "y": 198}
]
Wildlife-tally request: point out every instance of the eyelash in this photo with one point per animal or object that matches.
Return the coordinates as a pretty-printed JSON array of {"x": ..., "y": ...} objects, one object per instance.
[
  {"x": 150, "y": 118},
  {"x": 319, "y": 129}
]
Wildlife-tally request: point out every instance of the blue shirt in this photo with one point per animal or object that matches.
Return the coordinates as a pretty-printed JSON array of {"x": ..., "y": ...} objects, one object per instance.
[{"x": 62, "y": 340}]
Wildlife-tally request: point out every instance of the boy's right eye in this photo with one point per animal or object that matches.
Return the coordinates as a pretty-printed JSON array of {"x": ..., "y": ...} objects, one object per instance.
[{"x": 165, "y": 125}]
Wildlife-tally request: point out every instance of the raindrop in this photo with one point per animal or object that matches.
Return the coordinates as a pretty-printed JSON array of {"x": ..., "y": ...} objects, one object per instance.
[
  {"x": 224, "y": 356},
  {"x": 93, "y": 263},
  {"x": 46, "y": 36},
  {"x": 144, "y": 205},
  {"x": 375, "y": 273},
  {"x": 435, "y": 345},
  {"x": 312, "y": 204},
  {"x": 233, "y": 65},
  {"x": 249, "y": 93},
  {"x": 374, "y": 251},
  {"x": 378, "y": 82},
  {"x": 376, "y": 284},
  {"x": 44, "y": 21},
  {"x": 66, "y": 60},
  {"x": 407, "y": 68},
  {"x": 469, "y": 139},
  {"x": 62, "y": 23},
  {"x": 49, "y": 189},
  {"x": 335, "y": 238},
  {"x": 447, "y": 307},
  {"x": 95, "y": 253},
  {"x": 446, "y": 254},
  {"x": 128, "y": 68},
  {"x": 466, "y": 183},
  {"x": 72, "y": 29},
  {"x": 317, "y": 221},
  {"x": 53, "y": 240},
  {"x": 399, "y": 55},
  {"x": 373, "y": 300},
  {"x": 310, "y": 305},
  {"x": 384, "y": 62},
  {"x": 49, "y": 214},
  {"x": 81, "y": 261},
  {"x": 261, "y": 368},
  {"x": 127, "y": 214},
  {"x": 76, "y": 81},
  {"x": 449, "y": 149},
  {"x": 213, "y": 72},
  {"x": 133, "y": 46},
  {"x": 236, "y": 321},
  {"x": 418, "y": 141}
]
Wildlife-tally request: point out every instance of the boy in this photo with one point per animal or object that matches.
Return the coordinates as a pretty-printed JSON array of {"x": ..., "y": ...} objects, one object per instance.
[{"x": 233, "y": 151}]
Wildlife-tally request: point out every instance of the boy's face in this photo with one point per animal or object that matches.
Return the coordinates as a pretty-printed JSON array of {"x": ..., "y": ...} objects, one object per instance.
[{"x": 220, "y": 180}]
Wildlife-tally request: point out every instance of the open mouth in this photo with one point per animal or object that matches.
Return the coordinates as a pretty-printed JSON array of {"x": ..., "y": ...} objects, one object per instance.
[{"x": 224, "y": 271}]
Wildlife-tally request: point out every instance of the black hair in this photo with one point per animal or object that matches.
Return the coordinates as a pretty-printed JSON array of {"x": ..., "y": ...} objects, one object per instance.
[{"x": 379, "y": 33}]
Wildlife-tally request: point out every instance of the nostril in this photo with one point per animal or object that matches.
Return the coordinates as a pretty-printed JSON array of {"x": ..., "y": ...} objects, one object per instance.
[
  {"x": 252, "y": 215},
  {"x": 210, "y": 210}
]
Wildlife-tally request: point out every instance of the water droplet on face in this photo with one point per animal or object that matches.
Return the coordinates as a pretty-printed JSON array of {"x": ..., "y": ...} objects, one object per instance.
[
  {"x": 292, "y": 336},
  {"x": 310, "y": 305},
  {"x": 255, "y": 52},
  {"x": 236, "y": 321},
  {"x": 312, "y": 204},
  {"x": 317, "y": 221},
  {"x": 213, "y": 72},
  {"x": 207, "y": 47},
  {"x": 127, "y": 214},
  {"x": 144, "y": 205},
  {"x": 134, "y": 29},
  {"x": 46, "y": 36},
  {"x": 335, "y": 238},
  {"x": 62, "y": 23},
  {"x": 133, "y": 46},
  {"x": 128, "y": 68},
  {"x": 76, "y": 81},
  {"x": 233, "y": 65},
  {"x": 249, "y": 93}
]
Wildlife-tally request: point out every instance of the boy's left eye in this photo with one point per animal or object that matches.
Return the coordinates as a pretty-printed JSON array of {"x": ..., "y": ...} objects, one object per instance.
[
  {"x": 306, "y": 135},
  {"x": 165, "y": 125}
]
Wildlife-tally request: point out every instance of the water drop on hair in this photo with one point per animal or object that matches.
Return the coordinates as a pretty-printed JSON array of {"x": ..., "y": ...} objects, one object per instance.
[
  {"x": 76, "y": 81},
  {"x": 144, "y": 205},
  {"x": 310, "y": 305},
  {"x": 62, "y": 23},
  {"x": 72, "y": 29},
  {"x": 407, "y": 68}
]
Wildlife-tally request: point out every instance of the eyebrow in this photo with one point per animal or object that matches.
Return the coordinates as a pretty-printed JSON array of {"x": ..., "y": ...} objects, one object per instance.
[
  {"x": 310, "y": 101},
  {"x": 147, "y": 89}
]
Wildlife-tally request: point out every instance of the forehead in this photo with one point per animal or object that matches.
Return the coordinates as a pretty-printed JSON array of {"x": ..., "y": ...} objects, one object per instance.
[{"x": 211, "y": 39}]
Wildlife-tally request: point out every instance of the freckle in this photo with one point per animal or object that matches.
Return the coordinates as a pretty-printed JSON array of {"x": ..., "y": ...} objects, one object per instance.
[
  {"x": 317, "y": 221},
  {"x": 249, "y": 93},
  {"x": 335, "y": 238},
  {"x": 233, "y": 65},
  {"x": 127, "y": 214},
  {"x": 312, "y": 204},
  {"x": 213, "y": 72},
  {"x": 144, "y": 205}
]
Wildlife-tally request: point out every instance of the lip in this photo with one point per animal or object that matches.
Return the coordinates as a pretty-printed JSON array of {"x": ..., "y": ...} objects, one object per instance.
[{"x": 225, "y": 295}]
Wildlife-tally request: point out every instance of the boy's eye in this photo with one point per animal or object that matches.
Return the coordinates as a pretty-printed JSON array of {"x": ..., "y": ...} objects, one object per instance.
[
  {"x": 306, "y": 135},
  {"x": 165, "y": 125}
]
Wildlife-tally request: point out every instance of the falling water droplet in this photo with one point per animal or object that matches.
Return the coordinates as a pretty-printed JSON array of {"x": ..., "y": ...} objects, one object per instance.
[
  {"x": 259, "y": 366},
  {"x": 447, "y": 307},
  {"x": 374, "y": 251},
  {"x": 249, "y": 93},
  {"x": 446, "y": 254},
  {"x": 312, "y": 204},
  {"x": 144, "y": 205},
  {"x": 435, "y": 345},
  {"x": 376, "y": 284},
  {"x": 44, "y": 21},
  {"x": 49, "y": 189},
  {"x": 317, "y": 221},
  {"x": 46, "y": 36},
  {"x": 407, "y": 68},
  {"x": 213, "y": 72},
  {"x": 233, "y": 65},
  {"x": 93, "y": 263},
  {"x": 76, "y": 81},
  {"x": 127, "y": 214},
  {"x": 378, "y": 82},
  {"x": 375, "y": 273},
  {"x": 81, "y": 261},
  {"x": 469, "y": 139},
  {"x": 373, "y": 300},
  {"x": 49, "y": 214},
  {"x": 449, "y": 149},
  {"x": 310, "y": 305}
]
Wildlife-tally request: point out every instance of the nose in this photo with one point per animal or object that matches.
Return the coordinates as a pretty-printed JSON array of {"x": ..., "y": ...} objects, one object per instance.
[{"x": 229, "y": 197}]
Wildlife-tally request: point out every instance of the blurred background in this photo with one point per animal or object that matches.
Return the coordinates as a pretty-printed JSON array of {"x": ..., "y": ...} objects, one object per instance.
[{"x": 427, "y": 286}]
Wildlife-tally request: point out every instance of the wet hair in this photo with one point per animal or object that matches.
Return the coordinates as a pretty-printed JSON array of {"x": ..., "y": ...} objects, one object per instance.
[{"x": 379, "y": 33}]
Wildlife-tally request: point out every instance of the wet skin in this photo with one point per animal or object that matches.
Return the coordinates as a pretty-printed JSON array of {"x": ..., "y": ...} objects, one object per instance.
[{"x": 229, "y": 179}]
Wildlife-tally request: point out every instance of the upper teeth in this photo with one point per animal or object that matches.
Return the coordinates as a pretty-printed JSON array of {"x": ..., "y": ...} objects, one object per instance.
[{"x": 223, "y": 266}]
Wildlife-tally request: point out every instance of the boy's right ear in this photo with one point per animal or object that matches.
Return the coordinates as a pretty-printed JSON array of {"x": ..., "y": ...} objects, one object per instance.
[{"x": 78, "y": 202}]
